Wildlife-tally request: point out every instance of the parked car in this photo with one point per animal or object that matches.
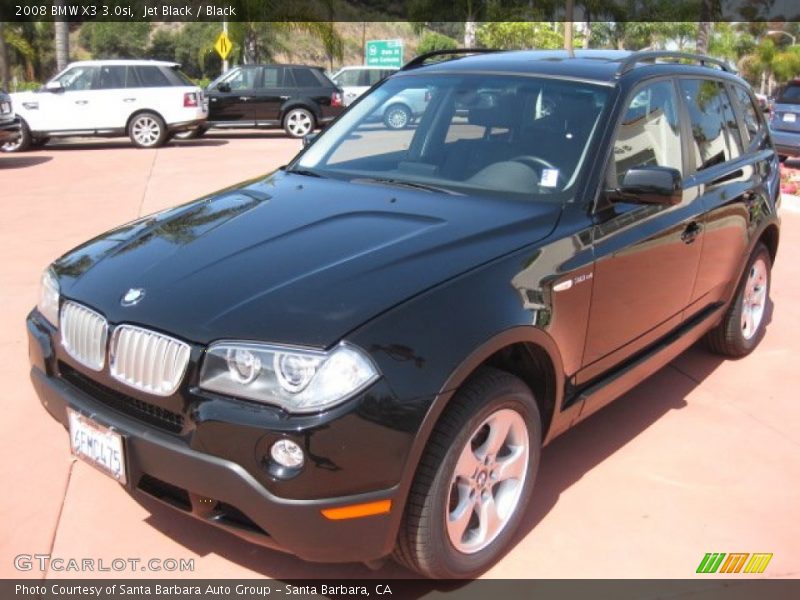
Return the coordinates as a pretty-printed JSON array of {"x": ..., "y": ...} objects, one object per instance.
[
  {"x": 9, "y": 124},
  {"x": 147, "y": 100},
  {"x": 296, "y": 97},
  {"x": 785, "y": 120},
  {"x": 401, "y": 110},
  {"x": 362, "y": 354},
  {"x": 354, "y": 81}
]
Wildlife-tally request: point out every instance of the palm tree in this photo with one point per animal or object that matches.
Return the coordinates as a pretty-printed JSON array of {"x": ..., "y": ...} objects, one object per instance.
[
  {"x": 4, "y": 76},
  {"x": 62, "y": 41}
]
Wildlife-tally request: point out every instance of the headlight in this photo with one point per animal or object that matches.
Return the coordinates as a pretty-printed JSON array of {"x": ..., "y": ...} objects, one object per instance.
[
  {"x": 48, "y": 297},
  {"x": 295, "y": 379}
]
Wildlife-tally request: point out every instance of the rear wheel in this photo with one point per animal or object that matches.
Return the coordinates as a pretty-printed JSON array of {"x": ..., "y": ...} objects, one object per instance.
[
  {"x": 474, "y": 480},
  {"x": 298, "y": 122},
  {"x": 147, "y": 130},
  {"x": 397, "y": 117},
  {"x": 744, "y": 323},
  {"x": 23, "y": 142}
]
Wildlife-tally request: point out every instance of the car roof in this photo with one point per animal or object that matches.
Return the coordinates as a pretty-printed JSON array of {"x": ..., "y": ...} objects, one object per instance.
[
  {"x": 125, "y": 62},
  {"x": 601, "y": 66}
]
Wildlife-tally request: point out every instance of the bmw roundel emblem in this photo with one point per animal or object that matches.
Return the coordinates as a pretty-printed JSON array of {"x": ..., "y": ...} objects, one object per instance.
[{"x": 132, "y": 296}]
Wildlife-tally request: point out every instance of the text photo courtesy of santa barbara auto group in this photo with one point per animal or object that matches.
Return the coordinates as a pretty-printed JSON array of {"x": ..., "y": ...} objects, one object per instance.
[{"x": 360, "y": 298}]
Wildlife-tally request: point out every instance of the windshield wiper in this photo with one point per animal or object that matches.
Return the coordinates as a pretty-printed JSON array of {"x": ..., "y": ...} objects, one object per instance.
[
  {"x": 306, "y": 172},
  {"x": 408, "y": 184}
]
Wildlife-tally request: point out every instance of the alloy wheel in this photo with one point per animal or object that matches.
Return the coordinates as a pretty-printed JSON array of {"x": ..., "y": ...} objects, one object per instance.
[{"x": 754, "y": 298}]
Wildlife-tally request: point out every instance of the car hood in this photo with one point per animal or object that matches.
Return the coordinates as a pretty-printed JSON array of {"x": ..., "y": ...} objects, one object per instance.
[{"x": 291, "y": 258}]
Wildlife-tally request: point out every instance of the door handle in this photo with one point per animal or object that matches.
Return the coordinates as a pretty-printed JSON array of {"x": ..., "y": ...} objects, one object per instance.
[
  {"x": 245, "y": 98},
  {"x": 691, "y": 232},
  {"x": 81, "y": 102},
  {"x": 284, "y": 97},
  {"x": 129, "y": 99}
]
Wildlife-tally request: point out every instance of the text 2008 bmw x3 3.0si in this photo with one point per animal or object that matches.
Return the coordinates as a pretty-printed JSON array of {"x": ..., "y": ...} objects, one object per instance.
[{"x": 362, "y": 354}]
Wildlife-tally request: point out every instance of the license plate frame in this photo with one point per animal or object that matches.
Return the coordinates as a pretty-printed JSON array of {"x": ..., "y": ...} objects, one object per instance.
[
  {"x": 789, "y": 117},
  {"x": 86, "y": 433}
]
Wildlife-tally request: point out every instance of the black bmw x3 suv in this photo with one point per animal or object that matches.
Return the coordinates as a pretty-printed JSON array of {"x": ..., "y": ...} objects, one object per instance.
[{"x": 362, "y": 354}]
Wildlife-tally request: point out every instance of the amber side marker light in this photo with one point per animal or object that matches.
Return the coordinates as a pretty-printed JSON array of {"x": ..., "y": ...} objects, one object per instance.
[{"x": 355, "y": 511}]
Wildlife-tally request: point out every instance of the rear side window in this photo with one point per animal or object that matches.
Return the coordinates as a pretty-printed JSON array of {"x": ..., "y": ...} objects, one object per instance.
[
  {"x": 348, "y": 78},
  {"x": 151, "y": 77},
  {"x": 752, "y": 124},
  {"x": 304, "y": 78},
  {"x": 714, "y": 131},
  {"x": 790, "y": 94},
  {"x": 649, "y": 134},
  {"x": 274, "y": 77},
  {"x": 181, "y": 76},
  {"x": 111, "y": 77}
]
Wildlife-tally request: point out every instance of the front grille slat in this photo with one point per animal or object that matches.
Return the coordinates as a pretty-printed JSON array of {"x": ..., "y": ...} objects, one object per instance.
[
  {"x": 139, "y": 360},
  {"x": 162, "y": 418},
  {"x": 84, "y": 334}
]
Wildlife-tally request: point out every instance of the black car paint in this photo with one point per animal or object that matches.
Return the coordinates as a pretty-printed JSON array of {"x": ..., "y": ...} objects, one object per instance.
[{"x": 431, "y": 287}]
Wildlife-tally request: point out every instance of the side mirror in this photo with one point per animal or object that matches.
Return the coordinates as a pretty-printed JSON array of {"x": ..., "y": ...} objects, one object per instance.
[
  {"x": 224, "y": 87},
  {"x": 650, "y": 185},
  {"x": 54, "y": 87},
  {"x": 309, "y": 138}
]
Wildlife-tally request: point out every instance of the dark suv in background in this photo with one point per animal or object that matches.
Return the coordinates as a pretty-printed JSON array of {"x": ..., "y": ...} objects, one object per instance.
[
  {"x": 362, "y": 354},
  {"x": 9, "y": 124},
  {"x": 297, "y": 98}
]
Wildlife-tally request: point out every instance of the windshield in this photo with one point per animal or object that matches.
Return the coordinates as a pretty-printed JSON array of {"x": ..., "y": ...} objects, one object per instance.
[{"x": 514, "y": 136}]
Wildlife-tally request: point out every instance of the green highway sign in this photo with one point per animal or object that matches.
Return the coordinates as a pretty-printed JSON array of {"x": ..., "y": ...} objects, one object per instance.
[{"x": 384, "y": 53}]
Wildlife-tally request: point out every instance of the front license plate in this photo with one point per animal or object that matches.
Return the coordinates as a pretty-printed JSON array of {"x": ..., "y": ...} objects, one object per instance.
[
  {"x": 789, "y": 117},
  {"x": 98, "y": 445}
]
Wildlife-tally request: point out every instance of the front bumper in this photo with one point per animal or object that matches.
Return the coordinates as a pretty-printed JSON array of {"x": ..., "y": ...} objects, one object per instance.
[
  {"x": 180, "y": 471},
  {"x": 9, "y": 131}
]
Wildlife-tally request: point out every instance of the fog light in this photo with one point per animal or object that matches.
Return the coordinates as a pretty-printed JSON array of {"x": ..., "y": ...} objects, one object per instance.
[{"x": 287, "y": 454}]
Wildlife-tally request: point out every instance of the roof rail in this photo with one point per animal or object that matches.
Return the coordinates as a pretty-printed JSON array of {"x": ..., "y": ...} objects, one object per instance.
[
  {"x": 418, "y": 61},
  {"x": 631, "y": 61}
]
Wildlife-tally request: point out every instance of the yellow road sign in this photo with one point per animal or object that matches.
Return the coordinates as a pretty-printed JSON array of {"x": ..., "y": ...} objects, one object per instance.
[{"x": 223, "y": 45}]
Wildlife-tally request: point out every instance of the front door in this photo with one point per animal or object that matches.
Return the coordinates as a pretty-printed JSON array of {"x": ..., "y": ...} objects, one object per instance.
[
  {"x": 646, "y": 256},
  {"x": 233, "y": 98},
  {"x": 74, "y": 106},
  {"x": 272, "y": 92}
]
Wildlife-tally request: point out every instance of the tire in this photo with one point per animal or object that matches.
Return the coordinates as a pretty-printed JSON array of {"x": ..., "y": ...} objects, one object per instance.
[
  {"x": 298, "y": 123},
  {"x": 397, "y": 117},
  {"x": 426, "y": 542},
  {"x": 23, "y": 143},
  {"x": 147, "y": 130},
  {"x": 744, "y": 324},
  {"x": 192, "y": 134}
]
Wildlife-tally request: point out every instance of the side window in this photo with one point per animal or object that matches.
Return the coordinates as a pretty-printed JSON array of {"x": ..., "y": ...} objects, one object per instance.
[
  {"x": 78, "y": 79},
  {"x": 111, "y": 78},
  {"x": 304, "y": 78},
  {"x": 712, "y": 129},
  {"x": 151, "y": 77},
  {"x": 752, "y": 123},
  {"x": 348, "y": 78},
  {"x": 242, "y": 79},
  {"x": 273, "y": 77},
  {"x": 649, "y": 133}
]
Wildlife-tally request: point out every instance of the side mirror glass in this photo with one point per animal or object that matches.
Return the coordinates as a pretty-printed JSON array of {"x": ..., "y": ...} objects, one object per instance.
[{"x": 650, "y": 185}]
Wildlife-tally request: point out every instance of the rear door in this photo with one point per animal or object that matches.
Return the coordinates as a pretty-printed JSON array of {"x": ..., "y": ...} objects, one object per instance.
[
  {"x": 274, "y": 89},
  {"x": 116, "y": 102},
  {"x": 646, "y": 255}
]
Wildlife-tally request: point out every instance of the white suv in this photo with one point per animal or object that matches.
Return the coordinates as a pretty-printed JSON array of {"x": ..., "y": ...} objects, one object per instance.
[
  {"x": 147, "y": 100},
  {"x": 354, "y": 81}
]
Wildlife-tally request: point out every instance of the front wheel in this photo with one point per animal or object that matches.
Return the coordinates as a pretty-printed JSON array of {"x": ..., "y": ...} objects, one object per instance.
[
  {"x": 744, "y": 323},
  {"x": 474, "y": 480},
  {"x": 23, "y": 142},
  {"x": 298, "y": 123},
  {"x": 147, "y": 130}
]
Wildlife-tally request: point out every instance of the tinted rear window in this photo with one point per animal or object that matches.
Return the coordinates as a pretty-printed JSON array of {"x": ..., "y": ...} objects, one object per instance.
[
  {"x": 305, "y": 78},
  {"x": 151, "y": 77},
  {"x": 790, "y": 94}
]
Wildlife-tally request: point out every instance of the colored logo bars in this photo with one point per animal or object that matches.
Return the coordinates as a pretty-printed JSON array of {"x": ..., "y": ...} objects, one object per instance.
[{"x": 714, "y": 562}]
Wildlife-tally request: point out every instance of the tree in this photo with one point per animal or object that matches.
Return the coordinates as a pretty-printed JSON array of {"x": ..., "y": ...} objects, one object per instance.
[
  {"x": 4, "y": 74},
  {"x": 516, "y": 35},
  {"x": 62, "y": 40},
  {"x": 116, "y": 39},
  {"x": 433, "y": 41},
  {"x": 162, "y": 45}
]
